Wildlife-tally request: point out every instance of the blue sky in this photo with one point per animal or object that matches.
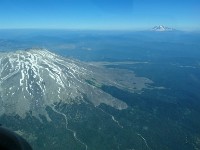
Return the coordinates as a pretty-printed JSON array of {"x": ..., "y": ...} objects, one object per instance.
[{"x": 100, "y": 14}]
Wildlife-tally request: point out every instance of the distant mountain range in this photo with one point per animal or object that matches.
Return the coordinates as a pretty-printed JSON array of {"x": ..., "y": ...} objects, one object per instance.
[{"x": 162, "y": 28}]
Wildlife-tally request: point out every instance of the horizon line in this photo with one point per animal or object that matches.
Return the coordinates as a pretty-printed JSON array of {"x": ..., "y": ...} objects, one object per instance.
[{"x": 86, "y": 29}]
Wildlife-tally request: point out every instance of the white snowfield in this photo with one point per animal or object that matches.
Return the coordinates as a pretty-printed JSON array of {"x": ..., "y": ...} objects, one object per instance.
[{"x": 34, "y": 79}]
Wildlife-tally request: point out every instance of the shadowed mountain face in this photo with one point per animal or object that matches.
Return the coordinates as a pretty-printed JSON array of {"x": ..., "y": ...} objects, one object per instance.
[{"x": 34, "y": 79}]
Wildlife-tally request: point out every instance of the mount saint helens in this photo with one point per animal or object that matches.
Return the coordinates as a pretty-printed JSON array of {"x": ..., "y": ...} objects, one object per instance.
[{"x": 34, "y": 81}]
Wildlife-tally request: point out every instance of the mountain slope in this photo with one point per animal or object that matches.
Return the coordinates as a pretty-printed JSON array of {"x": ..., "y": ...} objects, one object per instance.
[{"x": 34, "y": 79}]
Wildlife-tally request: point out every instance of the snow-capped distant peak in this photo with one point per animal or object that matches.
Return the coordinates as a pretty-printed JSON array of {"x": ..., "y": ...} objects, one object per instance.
[{"x": 162, "y": 28}]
